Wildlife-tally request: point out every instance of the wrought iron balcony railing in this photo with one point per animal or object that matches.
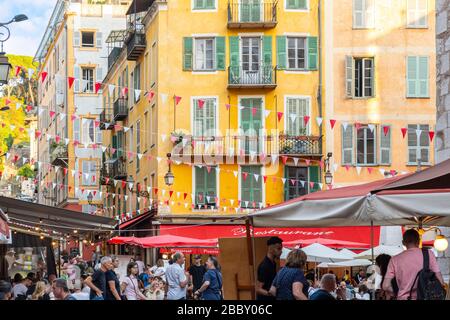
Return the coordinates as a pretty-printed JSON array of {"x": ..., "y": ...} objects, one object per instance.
[
  {"x": 59, "y": 154},
  {"x": 113, "y": 56},
  {"x": 106, "y": 120},
  {"x": 252, "y": 76},
  {"x": 136, "y": 42},
  {"x": 252, "y": 14},
  {"x": 120, "y": 109}
]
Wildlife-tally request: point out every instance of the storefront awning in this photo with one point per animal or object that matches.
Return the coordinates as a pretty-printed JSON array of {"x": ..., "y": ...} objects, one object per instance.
[
  {"x": 27, "y": 214},
  {"x": 354, "y": 234}
]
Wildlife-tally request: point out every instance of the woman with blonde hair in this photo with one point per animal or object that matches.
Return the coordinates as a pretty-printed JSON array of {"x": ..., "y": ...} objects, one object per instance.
[
  {"x": 290, "y": 282},
  {"x": 40, "y": 293}
]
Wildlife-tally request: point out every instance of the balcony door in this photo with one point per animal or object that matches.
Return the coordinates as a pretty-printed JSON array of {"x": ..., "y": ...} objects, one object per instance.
[
  {"x": 297, "y": 189},
  {"x": 251, "y": 124},
  {"x": 251, "y": 60},
  {"x": 251, "y": 10}
]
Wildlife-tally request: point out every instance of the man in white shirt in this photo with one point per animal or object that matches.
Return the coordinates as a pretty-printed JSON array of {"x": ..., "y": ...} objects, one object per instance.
[
  {"x": 141, "y": 265},
  {"x": 21, "y": 288},
  {"x": 177, "y": 278}
]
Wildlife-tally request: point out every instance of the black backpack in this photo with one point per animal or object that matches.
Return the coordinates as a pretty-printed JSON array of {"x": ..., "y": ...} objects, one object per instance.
[{"x": 428, "y": 286}]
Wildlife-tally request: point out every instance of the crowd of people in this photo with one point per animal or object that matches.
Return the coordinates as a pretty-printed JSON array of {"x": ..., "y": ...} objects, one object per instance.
[
  {"x": 392, "y": 278},
  {"x": 103, "y": 282}
]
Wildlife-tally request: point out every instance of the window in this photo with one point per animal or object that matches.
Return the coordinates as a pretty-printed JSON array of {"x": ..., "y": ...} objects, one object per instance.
[
  {"x": 296, "y": 109},
  {"x": 251, "y": 54},
  {"x": 418, "y": 143},
  {"x": 145, "y": 137},
  {"x": 385, "y": 145},
  {"x": 131, "y": 141},
  {"x": 204, "y": 54},
  {"x": 205, "y": 118},
  {"x": 417, "y": 12},
  {"x": 251, "y": 187},
  {"x": 417, "y": 77},
  {"x": 296, "y": 53},
  {"x": 205, "y": 186},
  {"x": 138, "y": 144},
  {"x": 89, "y": 168},
  {"x": 88, "y": 132},
  {"x": 365, "y": 146},
  {"x": 154, "y": 64},
  {"x": 204, "y": 4},
  {"x": 360, "y": 77},
  {"x": 87, "y": 39},
  {"x": 363, "y": 14},
  {"x": 137, "y": 81},
  {"x": 88, "y": 80},
  {"x": 298, "y": 189},
  {"x": 296, "y": 4},
  {"x": 76, "y": 130},
  {"x": 153, "y": 127}
]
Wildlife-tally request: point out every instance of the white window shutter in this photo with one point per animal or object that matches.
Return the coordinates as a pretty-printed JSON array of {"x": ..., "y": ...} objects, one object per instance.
[
  {"x": 99, "y": 39},
  {"x": 347, "y": 145},
  {"x": 385, "y": 145},
  {"x": 76, "y": 129},
  {"x": 99, "y": 74},
  {"x": 369, "y": 14},
  {"x": 77, "y": 76},
  {"x": 358, "y": 13},
  {"x": 349, "y": 76},
  {"x": 76, "y": 38}
]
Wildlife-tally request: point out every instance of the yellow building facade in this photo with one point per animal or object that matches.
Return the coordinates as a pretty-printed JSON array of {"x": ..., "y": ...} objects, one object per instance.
[
  {"x": 229, "y": 89},
  {"x": 380, "y": 87}
]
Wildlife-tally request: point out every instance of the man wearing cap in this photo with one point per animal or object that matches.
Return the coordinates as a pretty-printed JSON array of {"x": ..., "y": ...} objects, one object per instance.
[
  {"x": 267, "y": 269},
  {"x": 196, "y": 272},
  {"x": 61, "y": 290}
]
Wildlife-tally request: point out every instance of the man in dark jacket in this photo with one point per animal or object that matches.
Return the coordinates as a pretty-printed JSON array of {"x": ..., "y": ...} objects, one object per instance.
[{"x": 327, "y": 286}]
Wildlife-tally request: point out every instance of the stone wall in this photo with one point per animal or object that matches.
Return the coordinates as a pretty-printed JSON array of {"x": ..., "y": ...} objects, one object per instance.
[{"x": 443, "y": 101}]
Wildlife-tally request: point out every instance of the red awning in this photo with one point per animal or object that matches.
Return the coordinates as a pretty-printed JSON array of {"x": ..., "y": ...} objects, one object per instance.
[
  {"x": 353, "y": 234},
  {"x": 121, "y": 240},
  {"x": 172, "y": 241},
  {"x": 191, "y": 250},
  {"x": 134, "y": 220}
]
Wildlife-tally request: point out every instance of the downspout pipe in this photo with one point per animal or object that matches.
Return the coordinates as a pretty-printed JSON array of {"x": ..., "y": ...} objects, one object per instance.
[{"x": 319, "y": 89}]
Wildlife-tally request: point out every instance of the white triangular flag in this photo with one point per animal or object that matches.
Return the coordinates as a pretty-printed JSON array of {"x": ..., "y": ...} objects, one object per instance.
[
  {"x": 208, "y": 199},
  {"x": 418, "y": 133},
  {"x": 252, "y": 155},
  {"x": 49, "y": 136},
  {"x": 246, "y": 204},
  {"x": 56, "y": 169},
  {"x": 67, "y": 141},
  {"x": 149, "y": 190},
  {"x": 130, "y": 185},
  {"x": 319, "y": 121},
  {"x": 358, "y": 170},
  {"x": 115, "y": 183},
  {"x": 235, "y": 174},
  {"x": 231, "y": 152},
  {"x": 41, "y": 110},
  {"x": 345, "y": 125},
  {"x": 335, "y": 167},
  {"x": 274, "y": 158},
  {"x": 137, "y": 94},
  {"x": 163, "y": 192},
  {"x": 163, "y": 137},
  {"x": 86, "y": 176},
  {"x": 178, "y": 194},
  {"x": 104, "y": 149},
  {"x": 382, "y": 171},
  {"x": 266, "y": 113},
  {"x": 256, "y": 177},
  {"x": 232, "y": 202},
  {"x": 125, "y": 129},
  {"x": 18, "y": 105},
  {"x": 62, "y": 116},
  {"x": 30, "y": 73},
  {"x": 185, "y": 141},
  {"x": 236, "y": 209},
  {"x": 12, "y": 127},
  {"x": 111, "y": 88},
  {"x": 371, "y": 127},
  {"x": 186, "y": 205},
  {"x": 284, "y": 180},
  {"x": 164, "y": 97},
  {"x": 126, "y": 198},
  {"x": 293, "y": 117},
  {"x": 303, "y": 183},
  {"x": 296, "y": 160},
  {"x": 320, "y": 186},
  {"x": 158, "y": 159}
]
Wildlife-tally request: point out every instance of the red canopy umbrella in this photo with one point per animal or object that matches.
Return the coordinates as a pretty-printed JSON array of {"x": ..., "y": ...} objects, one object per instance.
[
  {"x": 171, "y": 241},
  {"x": 327, "y": 242},
  {"x": 120, "y": 240}
]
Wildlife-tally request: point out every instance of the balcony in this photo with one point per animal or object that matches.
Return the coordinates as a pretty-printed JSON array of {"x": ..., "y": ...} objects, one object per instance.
[
  {"x": 114, "y": 169},
  {"x": 247, "y": 145},
  {"x": 106, "y": 175},
  {"x": 106, "y": 120},
  {"x": 59, "y": 154},
  {"x": 113, "y": 56},
  {"x": 136, "y": 43},
  {"x": 120, "y": 109},
  {"x": 261, "y": 77},
  {"x": 262, "y": 14}
]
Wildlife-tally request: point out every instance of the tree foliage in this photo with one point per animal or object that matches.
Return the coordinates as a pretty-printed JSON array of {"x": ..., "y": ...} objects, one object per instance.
[{"x": 26, "y": 171}]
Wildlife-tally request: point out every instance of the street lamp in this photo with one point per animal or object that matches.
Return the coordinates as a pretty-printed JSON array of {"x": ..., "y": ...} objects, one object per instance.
[
  {"x": 169, "y": 177},
  {"x": 5, "y": 66},
  {"x": 328, "y": 174}
]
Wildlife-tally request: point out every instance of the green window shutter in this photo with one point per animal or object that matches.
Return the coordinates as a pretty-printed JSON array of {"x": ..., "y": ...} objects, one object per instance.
[
  {"x": 281, "y": 52},
  {"x": 114, "y": 145},
  {"x": 234, "y": 51},
  {"x": 187, "y": 53},
  {"x": 199, "y": 4},
  {"x": 385, "y": 146},
  {"x": 423, "y": 77},
  {"x": 256, "y": 11},
  {"x": 200, "y": 185},
  {"x": 245, "y": 10},
  {"x": 211, "y": 185},
  {"x": 314, "y": 176},
  {"x": 119, "y": 151},
  {"x": 302, "y": 4},
  {"x": 292, "y": 4},
  {"x": 312, "y": 53},
  {"x": 411, "y": 77},
  {"x": 286, "y": 185},
  {"x": 245, "y": 186},
  {"x": 267, "y": 47},
  {"x": 210, "y": 4},
  {"x": 220, "y": 53}
]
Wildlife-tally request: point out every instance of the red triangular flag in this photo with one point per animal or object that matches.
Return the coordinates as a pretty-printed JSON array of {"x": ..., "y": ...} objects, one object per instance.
[
  {"x": 245, "y": 174},
  {"x": 293, "y": 182},
  {"x": 117, "y": 127},
  {"x": 76, "y": 142},
  {"x": 370, "y": 170},
  {"x": 43, "y": 76},
  {"x": 70, "y": 188},
  {"x": 124, "y": 184},
  {"x": 97, "y": 123},
  {"x": 18, "y": 68},
  {"x": 124, "y": 91},
  {"x": 265, "y": 179},
  {"x": 321, "y": 164},
  {"x": 332, "y": 123},
  {"x": 38, "y": 133},
  {"x": 94, "y": 192},
  {"x": 279, "y": 115},
  {"x": 70, "y": 81},
  {"x": 228, "y": 106},
  {"x": 393, "y": 173},
  {"x": 57, "y": 139},
  {"x": 404, "y": 131},
  {"x": 170, "y": 193},
  {"x": 112, "y": 150},
  {"x": 208, "y": 168},
  {"x": 52, "y": 113},
  {"x": 306, "y": 119},
  {"x": 347, "y": 167},
  {"x": 29, "y": 108},
  {"x": 151, "y": 94},
  {"x": 7, "y": 101},
  {"x": 185, "y": 195},
  {"x": 308, "y": 162},
  {"x": 254, "y": 110},
  {"x": 201, "y": 103},
  {"x": 177, "y": 100},
  {"x": 431, "y": 134},
  {"x": 98, "y": 85},
  {"x": 284, "y": 159},
  {"x": 311, "y": 185},
  {"x": 156, "y": 190},
  {"x": 386, "y": 130},
  {"x": 73, "y": 117},
  {"x": 357, "y": 126}
]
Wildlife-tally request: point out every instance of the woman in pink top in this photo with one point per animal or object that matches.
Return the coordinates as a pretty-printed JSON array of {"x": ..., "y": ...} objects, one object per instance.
[{"x": 130, "y": 285}]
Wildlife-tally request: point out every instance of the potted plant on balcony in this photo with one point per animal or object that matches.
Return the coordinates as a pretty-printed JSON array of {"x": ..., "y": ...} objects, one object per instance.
[
  {"x": 177, "y": 137},
  {"x": 290, "y": 144}
]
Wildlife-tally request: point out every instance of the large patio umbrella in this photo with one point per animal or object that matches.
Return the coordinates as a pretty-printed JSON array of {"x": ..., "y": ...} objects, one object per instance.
[
  {"x": 421, "y": 198},
  {"x": 381, "y": 249},
  {"x": 319, "y": 253},
  {"x": 171, "y": 241},
  {"x": 120, "y": 240},
  {"x": 347, "y": 263},
  {"x": 333, "y": 243},
  {"x": 348, "y": 252}
]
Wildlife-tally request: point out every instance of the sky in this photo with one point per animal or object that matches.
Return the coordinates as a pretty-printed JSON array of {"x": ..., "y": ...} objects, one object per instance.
[{"x": 25, "y": 35}]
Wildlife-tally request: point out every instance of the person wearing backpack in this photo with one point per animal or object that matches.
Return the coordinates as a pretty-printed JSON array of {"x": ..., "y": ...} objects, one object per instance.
[
  {"x": 416, "y": 272},
  {"x": 211, "y": 288}
]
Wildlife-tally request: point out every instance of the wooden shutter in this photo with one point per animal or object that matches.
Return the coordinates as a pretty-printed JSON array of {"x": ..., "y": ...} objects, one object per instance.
[
  {"x": 412, "y": 76},
  {"x": 99, "y": 39},
  {"x": 210, "y": 4},
  {"x": 245, "y": 186},
  {"x": 267, "y": 51},
  {"x": 424, "y": 150},
  {"x": 281, "y": 52},
  {"x": 211, "y": 182},
  {"x": 358, "y": 13},
  {"x": 199, "y": 4},
  {"x": 347, "y": 145},
  {"x": 422, "y": 71},
  {"x": 220, "y": 53},
  {"x": 98, "y": 138},
  {"x": 349, "y": 76},
  {"x": 76, "y": 75},
  {"x": 120, "y": 144},
  {"x": 99, "y": 75},
  {"x": 234, "y": 51},
  {"x": 412, "y": 143},
  {"x": 85, "y": 168},
  {"x": 187, "y": 53},
  {"x": 314, "y": 176},
  {"x": 209, "y": 117},
  {"x": 369, "y": 84},
  {"x": 114, "y": 145},
  {"x": 286, "y": 185},
  {"x": 198, "y": 120},
  {"x": 255, "y": 10},
  {"x": 385, "y": 146},
  {"x": 76, "y": 38},
  {"x": 312, "y": 53},
  {"x": 256, "y": 185},
  {"x": 200, "y": 185},
  {"x": 369, "y": 13}
]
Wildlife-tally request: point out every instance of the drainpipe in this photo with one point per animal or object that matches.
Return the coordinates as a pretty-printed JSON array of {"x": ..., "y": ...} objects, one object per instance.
[{"x": 319, "y": 90}]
